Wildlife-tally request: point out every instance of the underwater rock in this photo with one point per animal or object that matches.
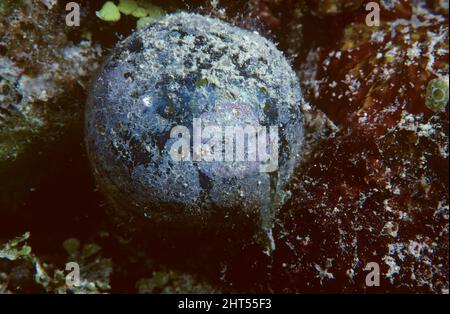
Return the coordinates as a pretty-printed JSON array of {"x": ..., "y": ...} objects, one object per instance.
[
  {"x": 191, "y": 72},
  {"x": 362, "y": 200},
  {"x": 373, "y": 74},
  {"x": 377, "y": 190},
  {"x": 41, "y": 70}
]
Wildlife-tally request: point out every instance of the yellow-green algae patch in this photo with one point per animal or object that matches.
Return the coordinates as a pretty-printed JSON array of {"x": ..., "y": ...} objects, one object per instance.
[
  {"x": 437, "y": 94},
  {"x": 127, "y": 6},
  {"x": 109, "y": 12}
]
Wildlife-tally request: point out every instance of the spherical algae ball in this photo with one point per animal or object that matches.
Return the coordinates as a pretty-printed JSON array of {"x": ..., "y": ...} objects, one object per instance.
[
  {"x": 195, "y": 123},
  {"x": 437, "y": 94}
]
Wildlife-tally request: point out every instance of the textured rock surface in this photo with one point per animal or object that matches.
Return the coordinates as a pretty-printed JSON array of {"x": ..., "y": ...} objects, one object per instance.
[
  {"x": 40, "y": 71},
  {"x": 379, "y": 73},
  {"x": 377, "y": 190}
]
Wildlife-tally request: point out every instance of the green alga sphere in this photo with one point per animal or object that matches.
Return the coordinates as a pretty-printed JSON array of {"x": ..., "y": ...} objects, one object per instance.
[
  {"x": 437, "y": 94},
  {"x": 161, "y": 86}
]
